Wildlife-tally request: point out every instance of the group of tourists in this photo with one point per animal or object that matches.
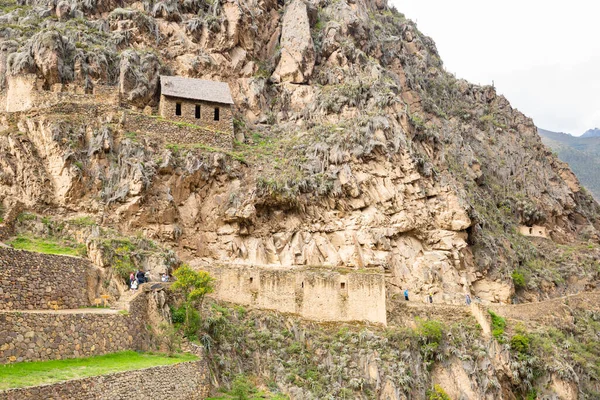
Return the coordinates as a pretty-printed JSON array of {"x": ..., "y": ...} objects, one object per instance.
[
  {"x": 430, "y": 297},
  {"x": 136, "y": 279}
]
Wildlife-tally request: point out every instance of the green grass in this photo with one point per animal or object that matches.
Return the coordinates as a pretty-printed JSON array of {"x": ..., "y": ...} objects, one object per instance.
[
  {"x": 47, "y": 246},
  {"x": 44, "y": 372}
]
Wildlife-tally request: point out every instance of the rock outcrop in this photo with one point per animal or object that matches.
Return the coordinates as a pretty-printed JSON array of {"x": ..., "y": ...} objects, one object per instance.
[{"x": 297, "y": 49}]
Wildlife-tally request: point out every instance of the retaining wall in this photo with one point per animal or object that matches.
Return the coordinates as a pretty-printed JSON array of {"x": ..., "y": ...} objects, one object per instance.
[
  {"x": 316, "y": 294},
  {"x": 177, "y": 132},
  {"x": 38, "y": 336},
  {"x": 184, "y": 381},
  {"x": 28, "y": 281}
]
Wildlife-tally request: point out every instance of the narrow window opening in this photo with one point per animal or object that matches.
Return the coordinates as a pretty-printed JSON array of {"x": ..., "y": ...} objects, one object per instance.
[
  {"x": 530, "y": 231},
  {"x": 217, "y": 116},
  {"x": 302, "y": 284},
  {"x": 343, "y": 285},
  {"x": 197, "y": 111},
  {"x": 177, "y": 108},
  {"x": 251, "y": 280}
]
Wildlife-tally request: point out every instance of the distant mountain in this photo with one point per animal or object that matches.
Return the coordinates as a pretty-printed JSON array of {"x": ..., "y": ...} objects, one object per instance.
[
  {"x": 581, "y": 153},
  {"x": 592, "y": 133}
]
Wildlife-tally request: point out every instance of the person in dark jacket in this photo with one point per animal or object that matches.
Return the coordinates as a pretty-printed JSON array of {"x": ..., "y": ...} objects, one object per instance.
[{"x": 141, "y": 278}]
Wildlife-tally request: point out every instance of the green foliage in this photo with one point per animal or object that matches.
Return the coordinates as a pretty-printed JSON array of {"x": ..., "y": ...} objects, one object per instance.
[
  {"x": 498, "y": 326},
  {"x": 178, "y": 315},
  {"x": 242, "y": 388},
  {"x": 193, "y": 284},
  {"x": 520, "y": 343},
  {"x": 437, "y": 393},
  {"x": 532, "y": 394},
  {"x": 518, "y": 279},
  {"x": 44, "y": 372},
  {"x": 25, "y": 216},
  {"x": 48, "y": 246},
  {"x": 430, "y": 333},
  {"x": 82, "y": 221}
]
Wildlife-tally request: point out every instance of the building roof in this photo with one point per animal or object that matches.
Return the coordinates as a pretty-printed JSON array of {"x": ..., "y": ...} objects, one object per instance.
[{"x": 196, "y": 89}]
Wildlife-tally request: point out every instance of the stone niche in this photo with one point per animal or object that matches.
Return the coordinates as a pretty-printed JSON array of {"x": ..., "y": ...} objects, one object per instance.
[{"x": 533, "y": 231}]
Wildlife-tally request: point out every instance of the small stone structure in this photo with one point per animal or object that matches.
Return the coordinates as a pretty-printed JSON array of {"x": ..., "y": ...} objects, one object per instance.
[
  {"x": 25, "y": 92},
  {"x": 38, "y": 336},
  {"x": 184, "y": 381},
  {"x": 199, "y": 102},
  {"x": 28, "y": 281},
  {"x": 314, "y": 293},
  {"x": 533, "y": 231}
]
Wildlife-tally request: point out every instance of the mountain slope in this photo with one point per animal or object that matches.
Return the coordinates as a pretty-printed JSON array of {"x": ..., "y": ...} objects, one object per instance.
[
  {"x": 354, "y": 149},
  {"x": 591, "y": 133},
  {"x": 581, "y": 153}
]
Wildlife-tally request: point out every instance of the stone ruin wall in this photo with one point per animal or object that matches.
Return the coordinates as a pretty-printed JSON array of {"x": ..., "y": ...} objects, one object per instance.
[
  {"x": 189, "y": 381},
  {"x": 39, "y": 336},
  {"x": 188, "y": 112},
  {"x": 533, "y": 231},
  {"x": 25, "y": 92},
  {"x": 315, "y": 294},
  {"x": 29, "y": 281}
]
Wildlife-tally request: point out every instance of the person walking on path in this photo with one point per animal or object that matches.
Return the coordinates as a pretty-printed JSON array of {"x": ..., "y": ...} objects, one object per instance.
[
  {"x": 406, "y": 294},
  {"x": 430, "y": 298},
  {"x": 468, "y": 299},
  {"x": 131, "y": 278}
]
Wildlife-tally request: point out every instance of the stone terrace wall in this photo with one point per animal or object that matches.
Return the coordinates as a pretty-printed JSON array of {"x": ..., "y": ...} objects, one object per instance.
[
  {"x": 29, "y": 281},
  {"x": 37, "y": 336},
  {"x": 317, "y": 294},
  {"x": 177, "y": 132},
  {"x": 185, "y": 381}
]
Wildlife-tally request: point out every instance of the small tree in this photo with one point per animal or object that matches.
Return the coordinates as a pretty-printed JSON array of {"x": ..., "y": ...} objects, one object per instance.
[{"x": 194, "y": 285}]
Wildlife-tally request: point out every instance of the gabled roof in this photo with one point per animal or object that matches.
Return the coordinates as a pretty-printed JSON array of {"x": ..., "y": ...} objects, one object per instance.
[{"x": 195, "y": 89}]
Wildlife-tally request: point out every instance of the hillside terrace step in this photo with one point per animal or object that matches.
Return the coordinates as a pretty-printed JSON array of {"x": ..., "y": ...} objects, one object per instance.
[{"x": 64, "y": 311}]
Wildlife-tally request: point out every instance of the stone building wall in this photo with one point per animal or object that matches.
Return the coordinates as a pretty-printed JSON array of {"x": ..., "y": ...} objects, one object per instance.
[
  {"x": 30, "y": 280},
  {"x": 188, "y": 113},
  {"x": 172, "y": 132},
  {"x": 25, "y": 92},
  {"x": 184, "y": 381},
  {"x": 316, "y": 294},
  {"x": 38, "y": 336}
]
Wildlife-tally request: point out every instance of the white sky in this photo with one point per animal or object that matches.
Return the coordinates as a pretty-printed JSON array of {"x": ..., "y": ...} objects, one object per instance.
[{"x": 544, "y": 56}]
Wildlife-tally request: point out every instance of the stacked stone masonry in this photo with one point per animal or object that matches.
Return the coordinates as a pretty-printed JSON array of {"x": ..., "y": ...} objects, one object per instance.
[
  {"x": 177, "y": 132},
  {"x": 30, "y": 281},
  {"x": 206, "y": 117},
  {"x": 34, "y": 336},
  {"x": 316, "y": 294},
  {"x": 185, "y": 381}
]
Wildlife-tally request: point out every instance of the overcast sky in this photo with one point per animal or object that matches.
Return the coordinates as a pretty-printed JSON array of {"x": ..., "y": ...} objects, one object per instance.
[{"x": 544, "y": 56}]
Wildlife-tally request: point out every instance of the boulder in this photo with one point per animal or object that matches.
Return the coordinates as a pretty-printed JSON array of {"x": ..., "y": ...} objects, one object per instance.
[{"x": 297, "y": 49}]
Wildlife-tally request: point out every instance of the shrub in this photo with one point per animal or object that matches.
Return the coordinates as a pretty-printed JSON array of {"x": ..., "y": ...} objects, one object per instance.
[
  {"x": 178, "y": 315},
  {"x": 498, "y": 326},
  {"x": 518, "y": 279},
  {"x": 437, "y": 393},
  {"x": 520, "y": 343}
]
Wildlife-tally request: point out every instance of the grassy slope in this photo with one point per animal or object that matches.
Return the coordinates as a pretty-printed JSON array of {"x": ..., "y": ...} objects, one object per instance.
[
  {"x": 47, "y": 246},
  {"x": 44, "y": 372}
]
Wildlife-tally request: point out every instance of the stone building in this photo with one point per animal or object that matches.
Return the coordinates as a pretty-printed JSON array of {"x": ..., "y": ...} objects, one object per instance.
[{"x": 199, "y": 102}]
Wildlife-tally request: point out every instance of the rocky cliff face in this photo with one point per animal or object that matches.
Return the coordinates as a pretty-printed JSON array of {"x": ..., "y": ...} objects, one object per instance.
[{"x": 355, "y": 147}]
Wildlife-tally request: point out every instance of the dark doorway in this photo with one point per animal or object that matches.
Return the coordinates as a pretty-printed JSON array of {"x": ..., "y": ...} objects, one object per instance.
[
  {"x": 177, "y": 108},
  {"x": 197, "y": 111},
  {"x": 217, "y": 116}
]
